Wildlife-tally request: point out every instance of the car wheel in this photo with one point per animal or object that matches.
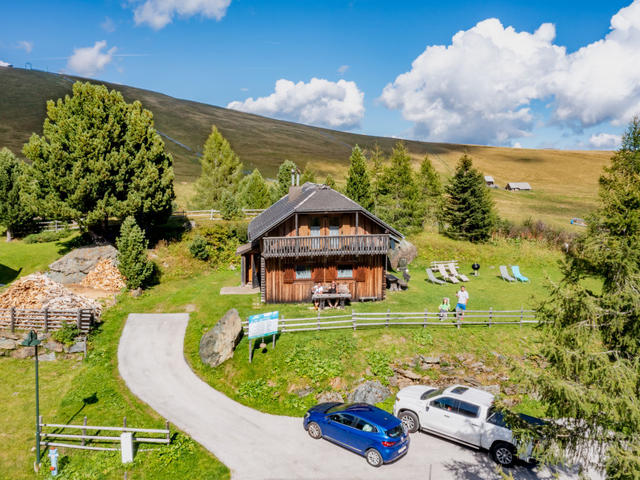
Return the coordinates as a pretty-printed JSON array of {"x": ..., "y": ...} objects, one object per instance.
[
  {"x": 314, "y": 430},
  {"x": 373, "y": 457},
  {"x": 503, "y": 453},
  {"x": 410, "y": 421}
]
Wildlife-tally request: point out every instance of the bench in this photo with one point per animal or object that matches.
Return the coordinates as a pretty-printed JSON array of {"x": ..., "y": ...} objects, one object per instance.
[{"x": 323, "y": 297}]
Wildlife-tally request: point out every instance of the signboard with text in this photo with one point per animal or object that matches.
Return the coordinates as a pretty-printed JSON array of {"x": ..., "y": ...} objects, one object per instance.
[{"x": 263, "y": 325}]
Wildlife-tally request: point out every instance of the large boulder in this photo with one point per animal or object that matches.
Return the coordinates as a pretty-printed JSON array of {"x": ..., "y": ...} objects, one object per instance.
[
  {"x": 217, "y": 345},
  {"x": 404, "y": 249},
  {"x": 371, "y": 391},
  {"x": 74, "y": 266}
]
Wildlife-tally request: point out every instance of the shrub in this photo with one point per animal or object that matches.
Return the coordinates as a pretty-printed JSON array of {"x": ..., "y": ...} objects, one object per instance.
[
  {"x": 308, "y": 361},
  {"x": 379, "y": 363},
  {"x": 199, "y": 248},
  {"x": 67, "y": 334},
  {"x": 133, "y": 263},
  {"x": 534, "y": 230},
  {"x": 46, "y": 237},
  {"x": 223, "y": 238},
  {"x": 257, "y": 389},
  {"x": 422, "y": 337}
]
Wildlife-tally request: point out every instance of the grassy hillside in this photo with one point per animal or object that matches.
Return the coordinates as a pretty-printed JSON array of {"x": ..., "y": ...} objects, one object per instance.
[{"x": 564, "y": 182}]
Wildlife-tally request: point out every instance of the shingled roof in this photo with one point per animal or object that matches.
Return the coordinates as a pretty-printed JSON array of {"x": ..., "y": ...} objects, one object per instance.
[{"x": 309, "y": 198}]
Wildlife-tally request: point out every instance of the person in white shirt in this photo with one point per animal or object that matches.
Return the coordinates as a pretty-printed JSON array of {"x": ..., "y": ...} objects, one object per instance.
[{"x": 463, "y": 299}]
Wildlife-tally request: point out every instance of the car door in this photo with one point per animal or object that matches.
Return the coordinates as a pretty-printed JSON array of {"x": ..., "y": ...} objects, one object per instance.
[
  {"x": 340, "y": 430},
  {"x": 468, "y": 418},
  {"x": 438, "y": 414},
  {"x": 365, "y": 434}
]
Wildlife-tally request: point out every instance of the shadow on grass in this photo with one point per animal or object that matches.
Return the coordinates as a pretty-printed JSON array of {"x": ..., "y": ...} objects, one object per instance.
[{"x": 8, "y": 274}]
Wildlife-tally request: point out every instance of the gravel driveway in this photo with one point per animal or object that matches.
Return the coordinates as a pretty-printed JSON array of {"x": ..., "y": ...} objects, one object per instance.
[{"x": 257, "y": 445}]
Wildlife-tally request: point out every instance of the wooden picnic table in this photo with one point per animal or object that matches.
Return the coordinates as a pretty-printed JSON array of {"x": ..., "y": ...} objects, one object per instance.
[{"x": 323, "y": 297}]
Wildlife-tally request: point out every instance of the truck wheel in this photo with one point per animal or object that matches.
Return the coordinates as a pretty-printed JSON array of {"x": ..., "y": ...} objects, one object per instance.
[
  {"x": 503, "y": 453},
  {"x": 410, "y": 421}
]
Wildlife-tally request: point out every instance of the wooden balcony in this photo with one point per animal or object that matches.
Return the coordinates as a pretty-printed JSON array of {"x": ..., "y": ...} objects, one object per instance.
[{"x": 325, "y": 246}]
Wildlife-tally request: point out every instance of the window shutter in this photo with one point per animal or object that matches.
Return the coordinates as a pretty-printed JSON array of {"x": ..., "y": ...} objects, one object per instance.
[
  {"x": 316, "y": 275},
  {"x": 332, "y": 273},
  {"x": 361, "y": 274},
  {"x": 289, "y": 275}
]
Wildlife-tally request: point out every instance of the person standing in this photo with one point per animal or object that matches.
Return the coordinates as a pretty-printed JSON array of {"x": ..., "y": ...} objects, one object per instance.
[
  {"x": 463, "y": 299},
  {"x": 444, "y": 308}
]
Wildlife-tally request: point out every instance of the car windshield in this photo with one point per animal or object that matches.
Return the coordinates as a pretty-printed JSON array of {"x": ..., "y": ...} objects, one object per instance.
[
  {"x": 431, "y": 393},
  {"x": 395, "y": 431}
]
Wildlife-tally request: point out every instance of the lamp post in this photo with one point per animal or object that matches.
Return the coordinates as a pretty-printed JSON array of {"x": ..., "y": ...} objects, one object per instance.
[{"x": 32, "y": 341}]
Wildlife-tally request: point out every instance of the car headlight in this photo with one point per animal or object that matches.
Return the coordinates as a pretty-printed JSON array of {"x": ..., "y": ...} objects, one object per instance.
[{"x": 306, "y": 415}]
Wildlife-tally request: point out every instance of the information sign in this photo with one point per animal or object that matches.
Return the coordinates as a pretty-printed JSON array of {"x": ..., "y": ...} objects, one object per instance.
[{"x": 263, "y": 325}]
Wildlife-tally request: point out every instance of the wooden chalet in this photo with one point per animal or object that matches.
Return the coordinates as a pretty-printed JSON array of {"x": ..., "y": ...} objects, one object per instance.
[{"x": 316, "y": 235}]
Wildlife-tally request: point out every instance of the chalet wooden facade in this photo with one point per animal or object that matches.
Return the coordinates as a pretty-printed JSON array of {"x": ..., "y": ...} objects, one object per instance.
[{"x": 316, "y": 235}]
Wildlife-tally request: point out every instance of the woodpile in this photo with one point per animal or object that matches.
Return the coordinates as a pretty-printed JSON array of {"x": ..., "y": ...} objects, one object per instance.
[
  {"x": 105, "y": 276},
  {"x": 37, "y": 291}
]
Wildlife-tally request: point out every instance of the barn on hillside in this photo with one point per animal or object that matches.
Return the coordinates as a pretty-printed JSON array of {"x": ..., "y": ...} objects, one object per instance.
[
  {"x": 515, "y": 186},
  {"x": 316, "y": 235},
  {"x": 489, "y": 181}
]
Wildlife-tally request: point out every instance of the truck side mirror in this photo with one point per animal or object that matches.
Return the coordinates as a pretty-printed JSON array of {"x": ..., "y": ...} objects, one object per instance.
[{"x": 427, "y": 408}]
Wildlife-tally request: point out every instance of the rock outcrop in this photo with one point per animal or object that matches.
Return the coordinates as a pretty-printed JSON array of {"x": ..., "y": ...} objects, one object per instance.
[
  {"x": 404, "y": 249},
  {"x": 371, "y": 391},
  {"x": 74, "y": 266},
  {"x": 217, "y": 345}
]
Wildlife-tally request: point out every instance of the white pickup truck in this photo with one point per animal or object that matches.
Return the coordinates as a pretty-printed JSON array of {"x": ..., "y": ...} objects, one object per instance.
[{"x": 463, "y": 414}]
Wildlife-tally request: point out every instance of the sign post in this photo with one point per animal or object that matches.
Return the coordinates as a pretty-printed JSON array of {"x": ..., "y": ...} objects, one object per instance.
[{"x": 261, "y": 326}]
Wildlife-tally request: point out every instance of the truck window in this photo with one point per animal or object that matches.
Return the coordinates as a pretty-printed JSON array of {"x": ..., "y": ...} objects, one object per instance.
[
  {"x": 445, "y": 403},
  {"x": 468, "y": 409}
]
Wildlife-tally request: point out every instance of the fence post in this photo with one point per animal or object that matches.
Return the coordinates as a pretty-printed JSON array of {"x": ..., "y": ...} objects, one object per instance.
[
  {"x": 353, "y": 319},
  {"x": 211, "y": 215},
  {"x": 84, "y": 430},
  {"x": 12, "y": 315},
  {"x": 490, "y": 315},
  {"x": 388, "y": 310},
  {"x": 521, "y": 315},
  {"x": 318, "y": 320},
  {"x": 124, "y": 422},
  {"x": 168, "y": 432},
  {"x": 79, "y": 319},
  {"x": 459, "y": 314},
  {"x": 46, "y": 320},
  {"x": 284, "y": 325},
  {"x": 426, "y": 313}
]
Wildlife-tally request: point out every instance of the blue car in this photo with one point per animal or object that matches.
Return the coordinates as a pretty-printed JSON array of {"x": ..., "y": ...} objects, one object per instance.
[{"x": 360, "y": 427}]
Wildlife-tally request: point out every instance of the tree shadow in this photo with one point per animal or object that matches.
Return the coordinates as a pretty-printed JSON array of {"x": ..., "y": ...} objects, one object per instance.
[{"x": 8, "y": 274}]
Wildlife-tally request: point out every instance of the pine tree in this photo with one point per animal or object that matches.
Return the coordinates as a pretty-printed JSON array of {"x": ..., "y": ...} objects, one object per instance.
[
  {"x": 591, "y": 345},
  {"x": 358, "y": 186},
  {"x": 221, "y": 171},
  {"x": 15, "y": 211},
  {"x": 308, "y": 175},
  {"x": 330, "y": 182},
  {"x": 468, "y": 208},
  {"x": 253, "y": 191},
  {"x": 98, "y": 158},
  {"x": 229, "y": 207},
  {"x": 377, "y": 168},
  {"x": 284, "y": 178},
  {"x": 133, "y": 263},
  {"x": 399, "y": 199},
  {"x": 430, "y": 189}
]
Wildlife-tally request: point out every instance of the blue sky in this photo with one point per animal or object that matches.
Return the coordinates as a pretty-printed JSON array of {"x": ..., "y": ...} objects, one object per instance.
[{"x": 498, "y": 83}]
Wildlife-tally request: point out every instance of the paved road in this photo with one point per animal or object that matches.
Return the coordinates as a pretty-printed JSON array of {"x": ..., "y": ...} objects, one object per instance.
[{"x": 256, "y": 445}]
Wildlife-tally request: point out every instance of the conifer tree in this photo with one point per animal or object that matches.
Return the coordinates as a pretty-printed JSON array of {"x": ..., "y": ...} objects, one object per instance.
[
  {"x": 284, "y": 178},
  {"x": 399, "y": 199},
  {"x": 330, "y": 182},
  {"x": 253, "y": 191},
  {"x": 430, "y": 189},
  {"x": 100, "y": 157},
  {"x": 591, "y": 344},
  {"x": 133, "y": 263},
  {"x": 15, "y": 211},
  {"x": 221, "y": 171},
  {"x": 377, "y": 167},
  {"x": 468, "y": 208},
  {"x": 308, "y": 175},
  {"x": 358, "y": 186},
  {"x": 229, "y": 207}
]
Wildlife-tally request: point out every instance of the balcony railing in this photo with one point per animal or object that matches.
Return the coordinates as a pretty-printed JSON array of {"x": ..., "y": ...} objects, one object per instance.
[{"x": 325, "y": 245}]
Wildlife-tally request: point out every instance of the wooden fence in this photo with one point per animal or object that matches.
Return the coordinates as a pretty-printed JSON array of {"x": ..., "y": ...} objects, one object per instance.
[
  {"x": 413, "y": 319},
  {"x": 56, "y": 226},
  {"x": 215, "y": 214},
  {"x": 46, "y": 320},
  {"x": 93, "y": 437}
]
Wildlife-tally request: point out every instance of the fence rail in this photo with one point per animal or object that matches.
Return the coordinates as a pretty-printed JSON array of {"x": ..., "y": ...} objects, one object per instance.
[
  {"x": 92, "y": 434},
  {"x": 46, "y": 320},
  {"x": 215, "y": 214},
  {"x": 55, "y": 226},
  {"x": 423, "y": 319}
]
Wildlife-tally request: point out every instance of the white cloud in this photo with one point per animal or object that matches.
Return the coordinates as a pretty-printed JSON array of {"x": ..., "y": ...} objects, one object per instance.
[
  {"x": 159, "y": 13},
  {"x": 517, "y": 145},
  {"x": 107, "y": 25},
  {"x": 4, "y": 64},
  {"x": 605, "y": 141},
  {"x": 318, "y": 102},
  {"x": 25, "y": 45},
  {"x": 342, "y": 69},
  {"x": 479, "y": 89},
  {"x": 88, "y": 61}
]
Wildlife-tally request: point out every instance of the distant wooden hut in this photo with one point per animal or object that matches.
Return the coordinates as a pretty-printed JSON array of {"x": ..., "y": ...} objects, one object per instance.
[
  {"x": 516, "y": 186},
  {"x": 488, "y": 180}
]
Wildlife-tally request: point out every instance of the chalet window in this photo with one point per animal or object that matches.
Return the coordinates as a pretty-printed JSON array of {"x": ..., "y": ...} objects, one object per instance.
[
  {"x": 303, "y": 272},
  {"x": 334, "y": 226},
  {"x": 345, "y": 271},
  {"x": 315, "y": 227}
]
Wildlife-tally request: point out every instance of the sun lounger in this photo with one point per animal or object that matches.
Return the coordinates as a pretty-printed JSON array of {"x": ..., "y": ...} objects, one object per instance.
[
  {"x": 433, "y": 279},
  {"x": 446, "y": 275},
  {"x": 454, "y": 272},
  {"x": 505, "y": 274},
  {"x": 516, "y": 273}
]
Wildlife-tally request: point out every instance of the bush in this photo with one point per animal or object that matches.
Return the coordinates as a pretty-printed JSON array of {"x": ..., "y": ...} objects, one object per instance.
[
  {"x": 534, "y": 230},
  {"x": 133, "y": 263},
  {"x": 379, "y": 363},
  {"x": 222, "y": 239},
  {"x": 46, "y": 237},
  {"x": 199, "y": 248},
  {"x": 67, "y": 334}
]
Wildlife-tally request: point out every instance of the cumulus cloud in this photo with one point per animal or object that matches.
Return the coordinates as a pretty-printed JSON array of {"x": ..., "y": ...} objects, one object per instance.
[
  {"x": 605, "y": 141},
  {"x": 4, "y": 64},
  {"x": 342, "y": 69},
  {"x": 159, "y": 13},
  {"x": 88, "y": 61},
  {"x": 25, "y": 45},
  {"x": 319, "y": 102},
  {"x": 479, "y": 89}
]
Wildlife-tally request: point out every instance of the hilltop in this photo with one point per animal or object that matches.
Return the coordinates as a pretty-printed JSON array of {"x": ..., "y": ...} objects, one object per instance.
[{"x": 564, "y": 182}]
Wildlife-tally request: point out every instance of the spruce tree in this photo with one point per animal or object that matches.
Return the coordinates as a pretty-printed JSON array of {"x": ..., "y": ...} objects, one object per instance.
[
  {"x": 430, "y": 189},
  {"x": 377, "y": 168},
  {"x": 358, "y": 186},
  {"x": 284, "y": 178},
  {"x": 308, "y": 175},
  {"x": 330, "y": 182},
  {"x": 16, "y": 213},
  {"x": 100, "y": 157},
  {"x": 221, "y": 171},
  {"x": 133, "y": 263},
  {"x": 399, "y": 198},
  {"x": 591, "y": 344},
  {"x": 253, "y": 191},
  {"x": 229, "y": 207},
  {"x": 468, "y": 208}
]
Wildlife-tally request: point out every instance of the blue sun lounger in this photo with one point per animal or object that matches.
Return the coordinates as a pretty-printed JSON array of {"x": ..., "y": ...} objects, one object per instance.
[{"x": 516, "y": 273}]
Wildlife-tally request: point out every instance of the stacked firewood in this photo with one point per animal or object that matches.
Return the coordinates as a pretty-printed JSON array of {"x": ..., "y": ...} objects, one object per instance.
[
  {"x": 105, "y": 276},
  {"x": 37, "y": 291}
]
